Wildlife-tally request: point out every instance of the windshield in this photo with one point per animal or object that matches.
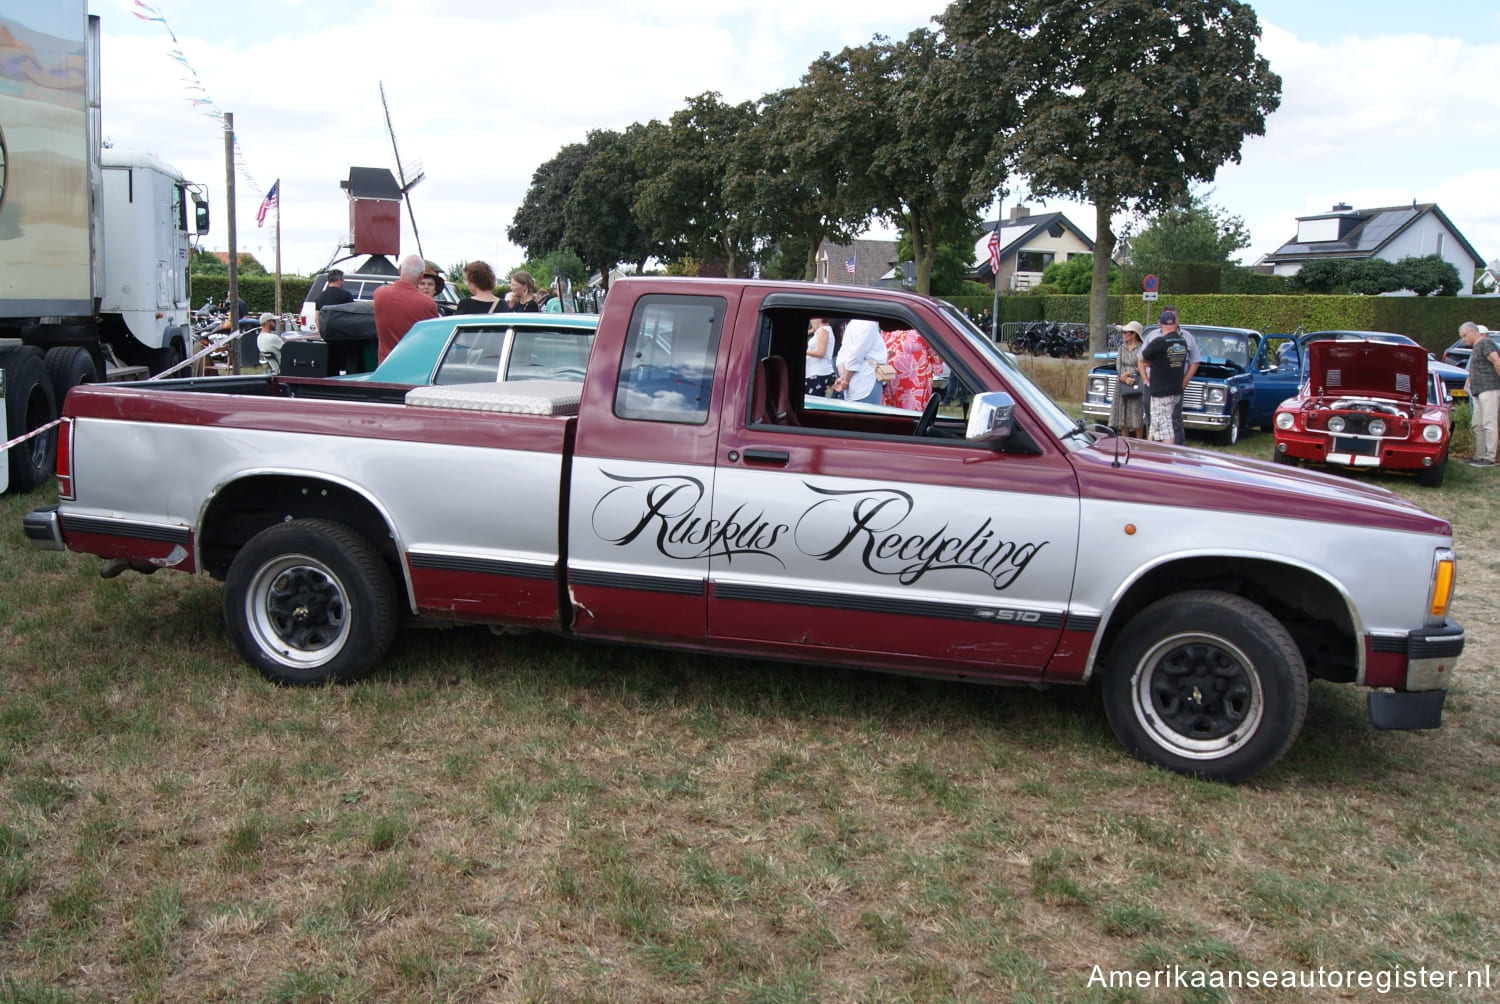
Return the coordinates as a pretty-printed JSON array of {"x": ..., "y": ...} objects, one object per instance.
[
  {"x": 1059, "y": 421},
  {"x": 1225, "y": 347}
]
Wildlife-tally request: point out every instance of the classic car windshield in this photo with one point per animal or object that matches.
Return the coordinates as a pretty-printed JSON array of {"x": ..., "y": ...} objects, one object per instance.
[
  {"x": 1225, "y": 347},
  {"x": 1036, "y": 399}
]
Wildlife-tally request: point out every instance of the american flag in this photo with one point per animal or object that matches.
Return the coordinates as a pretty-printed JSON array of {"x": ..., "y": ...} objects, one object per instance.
[
  {"x": 994, "y": 246},
  {"x": 267, "y": 204},
  {"x": 849, "y": 265}
]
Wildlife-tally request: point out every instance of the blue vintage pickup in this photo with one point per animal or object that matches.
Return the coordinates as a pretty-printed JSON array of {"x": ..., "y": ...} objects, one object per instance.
[{"x": 1243, "y": 375}]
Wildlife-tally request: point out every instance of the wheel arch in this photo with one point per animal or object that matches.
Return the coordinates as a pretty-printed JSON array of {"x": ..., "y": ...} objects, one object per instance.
[
  {"x": 241, "y": 508},
  {"x": 1315, "y": 609}
]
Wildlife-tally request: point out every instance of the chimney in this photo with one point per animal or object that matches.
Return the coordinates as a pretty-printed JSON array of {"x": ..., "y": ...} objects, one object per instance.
[
  {"x": 1342, "y": 207},
  {"x": 1018, "y": 213}
]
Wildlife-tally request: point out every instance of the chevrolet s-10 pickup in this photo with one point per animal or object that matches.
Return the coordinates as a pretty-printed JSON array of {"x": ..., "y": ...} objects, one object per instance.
[{"x": 688, "y": 494}]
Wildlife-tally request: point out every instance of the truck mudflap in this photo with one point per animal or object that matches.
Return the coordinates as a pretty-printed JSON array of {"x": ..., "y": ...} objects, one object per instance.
[{"x": 1419, "y": 709}]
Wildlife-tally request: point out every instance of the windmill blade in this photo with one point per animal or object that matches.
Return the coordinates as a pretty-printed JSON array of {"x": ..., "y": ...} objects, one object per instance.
[{"x": 401, "y": 173}]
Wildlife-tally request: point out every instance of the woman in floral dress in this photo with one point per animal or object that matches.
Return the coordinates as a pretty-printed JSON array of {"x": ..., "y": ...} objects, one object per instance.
[{"x": 914, "y": 363}]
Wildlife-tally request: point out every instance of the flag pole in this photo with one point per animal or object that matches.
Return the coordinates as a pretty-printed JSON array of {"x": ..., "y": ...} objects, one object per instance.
[{"x": 278, "y": 258}]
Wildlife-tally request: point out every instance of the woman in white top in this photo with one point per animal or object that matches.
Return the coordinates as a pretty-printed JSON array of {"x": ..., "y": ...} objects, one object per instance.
[
  {"x": 857, "y": 358},
  {"x": 820, "y": 371}
]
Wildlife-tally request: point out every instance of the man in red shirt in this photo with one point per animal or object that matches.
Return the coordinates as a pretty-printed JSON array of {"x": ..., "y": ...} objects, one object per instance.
[{"x": 400, "y": 305}]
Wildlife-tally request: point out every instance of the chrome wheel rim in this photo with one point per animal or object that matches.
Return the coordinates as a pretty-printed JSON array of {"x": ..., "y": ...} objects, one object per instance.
[{"x": 298, "y": 611}]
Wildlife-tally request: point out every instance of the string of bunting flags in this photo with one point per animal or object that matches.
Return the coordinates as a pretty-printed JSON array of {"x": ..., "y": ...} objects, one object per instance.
[{"x": 199, "y": 98}]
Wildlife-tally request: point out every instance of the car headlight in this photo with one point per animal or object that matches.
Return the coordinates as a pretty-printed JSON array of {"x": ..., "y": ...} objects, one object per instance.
[
  {"x": 1432, "y": 433},
  {"x": 1216, "y": 395},
  {"x": 1336, "y": 424},
  {"x": 1285, "y": 420},
  {"x": 1377, "y": 427},
  {"x": 1098, "y": 385}
]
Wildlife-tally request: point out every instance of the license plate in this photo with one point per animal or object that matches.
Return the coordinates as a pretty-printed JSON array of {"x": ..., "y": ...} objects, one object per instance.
[{"x": 1355, "y": 447}]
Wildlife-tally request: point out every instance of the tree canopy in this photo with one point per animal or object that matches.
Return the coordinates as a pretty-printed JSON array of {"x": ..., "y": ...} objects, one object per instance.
[
  {"x": 1126, "y": 102},
  {"x": 1192, "y": 231}
]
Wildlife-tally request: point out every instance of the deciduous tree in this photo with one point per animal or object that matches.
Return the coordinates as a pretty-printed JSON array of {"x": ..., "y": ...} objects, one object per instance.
[{"x": 1126, "y": 102}]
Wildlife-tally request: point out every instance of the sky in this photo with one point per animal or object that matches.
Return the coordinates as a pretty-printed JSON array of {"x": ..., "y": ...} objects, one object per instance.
[{"x": 1383, "y": 103}]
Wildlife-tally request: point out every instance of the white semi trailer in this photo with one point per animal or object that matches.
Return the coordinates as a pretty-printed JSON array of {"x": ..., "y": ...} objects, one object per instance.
[{"x": 94, "y": 243}]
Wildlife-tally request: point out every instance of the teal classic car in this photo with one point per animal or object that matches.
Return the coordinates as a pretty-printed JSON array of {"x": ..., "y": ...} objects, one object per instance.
[
  {"x": 462, "y": 348},
  {"x": 488, "y": 348}
]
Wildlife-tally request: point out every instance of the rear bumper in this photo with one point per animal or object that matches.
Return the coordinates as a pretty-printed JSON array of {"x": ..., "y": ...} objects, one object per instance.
[{"x": 43, "y": 528}]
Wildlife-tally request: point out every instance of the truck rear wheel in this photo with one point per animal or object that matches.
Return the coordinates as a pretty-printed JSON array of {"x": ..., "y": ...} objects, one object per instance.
[
  {"x": 29, "y": 405},
  {"x": 1208, "y": 684},
  {"x": 67, "y": 367},
  {"x": 309, "y": 602}
]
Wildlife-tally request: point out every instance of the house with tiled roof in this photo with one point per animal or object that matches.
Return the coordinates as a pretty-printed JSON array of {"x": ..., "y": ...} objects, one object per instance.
[
  {"x": 1388, "y": 232},
  {"x": 862, "y": 263},
  {"x": 1028, "y": 244}
]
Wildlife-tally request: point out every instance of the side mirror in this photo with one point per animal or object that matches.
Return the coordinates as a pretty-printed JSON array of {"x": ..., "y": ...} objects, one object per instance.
[
  {"x": 200, "y": 215},
  {"x": 991, "y": 416}
]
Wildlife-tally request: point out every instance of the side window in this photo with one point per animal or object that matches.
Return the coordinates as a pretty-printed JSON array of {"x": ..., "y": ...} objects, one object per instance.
[
  {"x": 473, "y": 356},
  {"x": 548, "y": 355},
  {"x": 667, "y": 370}
]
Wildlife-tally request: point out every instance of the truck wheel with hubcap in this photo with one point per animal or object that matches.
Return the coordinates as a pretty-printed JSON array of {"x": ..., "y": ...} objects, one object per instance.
[
  {"x": 1208, "y": 684},
  {"x": 309, "y": 602},
  {"x": 29, "y": 405}
]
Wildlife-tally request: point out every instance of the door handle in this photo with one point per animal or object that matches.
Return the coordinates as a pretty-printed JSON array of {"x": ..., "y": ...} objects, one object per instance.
[{"x": 767, "y": 457}]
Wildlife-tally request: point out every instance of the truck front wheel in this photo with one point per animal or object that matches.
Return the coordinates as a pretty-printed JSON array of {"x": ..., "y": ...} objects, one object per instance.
[
  {"x": 309, "y": 602},
  {"x": 1207, "y": 684}
]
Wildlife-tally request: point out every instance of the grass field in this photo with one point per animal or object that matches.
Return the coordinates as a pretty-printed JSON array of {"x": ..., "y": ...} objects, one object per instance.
[{"x": 507, "y": 819}]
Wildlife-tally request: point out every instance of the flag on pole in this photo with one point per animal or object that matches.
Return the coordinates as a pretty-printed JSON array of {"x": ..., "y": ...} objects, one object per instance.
[
  {"x": 267, "y": 204},
  {"x": 994, "y": 246},
  {"x": 849, "y": 265}
]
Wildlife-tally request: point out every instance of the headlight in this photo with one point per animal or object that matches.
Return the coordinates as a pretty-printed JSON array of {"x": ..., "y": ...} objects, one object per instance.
[
  {"x": 1216, "y": 395},
  {"x": 1377, "y": 427},
  {"x": 1336, "y": 424},
  {"x": 1285, "y": 420},
  {"x": 1098, "y": 385},
  {"x": 1432, "y": 433}
]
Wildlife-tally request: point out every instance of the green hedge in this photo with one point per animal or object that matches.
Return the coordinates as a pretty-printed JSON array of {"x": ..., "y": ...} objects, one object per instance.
[
  {"x": 1431, "y": 320},
  {"x": 259, "y": 291}
]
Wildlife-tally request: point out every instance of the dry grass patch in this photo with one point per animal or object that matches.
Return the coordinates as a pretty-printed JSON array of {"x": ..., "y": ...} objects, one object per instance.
[{"x": 535, "y": 819}]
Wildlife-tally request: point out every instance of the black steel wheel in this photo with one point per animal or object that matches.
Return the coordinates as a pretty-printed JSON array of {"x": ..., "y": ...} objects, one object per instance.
[
  {"x": 29, "y": 405},
  {"x": 310, "y": 602},
  {"x": 67, "y": 367},
  {"x": 1208, "y": 684}
]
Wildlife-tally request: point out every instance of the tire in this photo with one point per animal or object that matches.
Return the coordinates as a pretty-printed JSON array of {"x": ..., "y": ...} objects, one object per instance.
[
  {"x": 163, "y": 359},
  {"x": 67, "y": 367},
  {"x": 1231, "y": 434},
  {"x": 1432, "y": 477},
  {"x": 1207, "y": 684},
  {"x": 29, "y": 405},
  {"x": 309, "y": 602},
  {"x": 1283, "y": 458}
]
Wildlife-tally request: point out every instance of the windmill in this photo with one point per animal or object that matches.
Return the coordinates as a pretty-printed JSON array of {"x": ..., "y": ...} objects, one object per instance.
[{"x": 408, "y": 175}]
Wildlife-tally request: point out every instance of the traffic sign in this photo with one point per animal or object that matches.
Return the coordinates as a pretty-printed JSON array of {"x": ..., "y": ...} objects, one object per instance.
[
  {"x": 1149, "y": 297},
  {"x": 1149, "y": 284}
]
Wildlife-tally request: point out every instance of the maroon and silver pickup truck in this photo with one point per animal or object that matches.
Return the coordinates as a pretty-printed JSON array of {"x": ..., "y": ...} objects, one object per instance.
[{"x": 688, "y": 495}]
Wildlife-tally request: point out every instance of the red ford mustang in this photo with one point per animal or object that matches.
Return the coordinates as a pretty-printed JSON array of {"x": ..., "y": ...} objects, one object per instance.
[{"x": 1368, "y": 404}]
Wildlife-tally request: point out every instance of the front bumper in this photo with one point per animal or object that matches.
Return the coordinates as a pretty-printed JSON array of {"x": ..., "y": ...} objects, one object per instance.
[
  {"x": 1430, "y": 655},
  {"x": 1390, "y": 454},
  {"x": 43, "y": 527}
]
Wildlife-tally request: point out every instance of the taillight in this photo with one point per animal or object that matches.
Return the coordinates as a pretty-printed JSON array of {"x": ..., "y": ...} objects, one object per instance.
[{"x": 65, "y": 460}]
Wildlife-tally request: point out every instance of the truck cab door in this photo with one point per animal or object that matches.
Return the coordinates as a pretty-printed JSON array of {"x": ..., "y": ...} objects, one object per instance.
[
  {"x": 639, "y": 533},
  {"x": 848, "y": 538}
]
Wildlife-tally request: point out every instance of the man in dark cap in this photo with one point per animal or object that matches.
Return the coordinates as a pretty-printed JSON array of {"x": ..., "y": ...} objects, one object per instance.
[
  {"x": 1165, "y": 372},
  {"x": 1179, "y": 435}
]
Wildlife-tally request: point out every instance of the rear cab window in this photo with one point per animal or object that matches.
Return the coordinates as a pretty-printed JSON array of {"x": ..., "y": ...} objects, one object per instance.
[{"x": 667, "y": 364}]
